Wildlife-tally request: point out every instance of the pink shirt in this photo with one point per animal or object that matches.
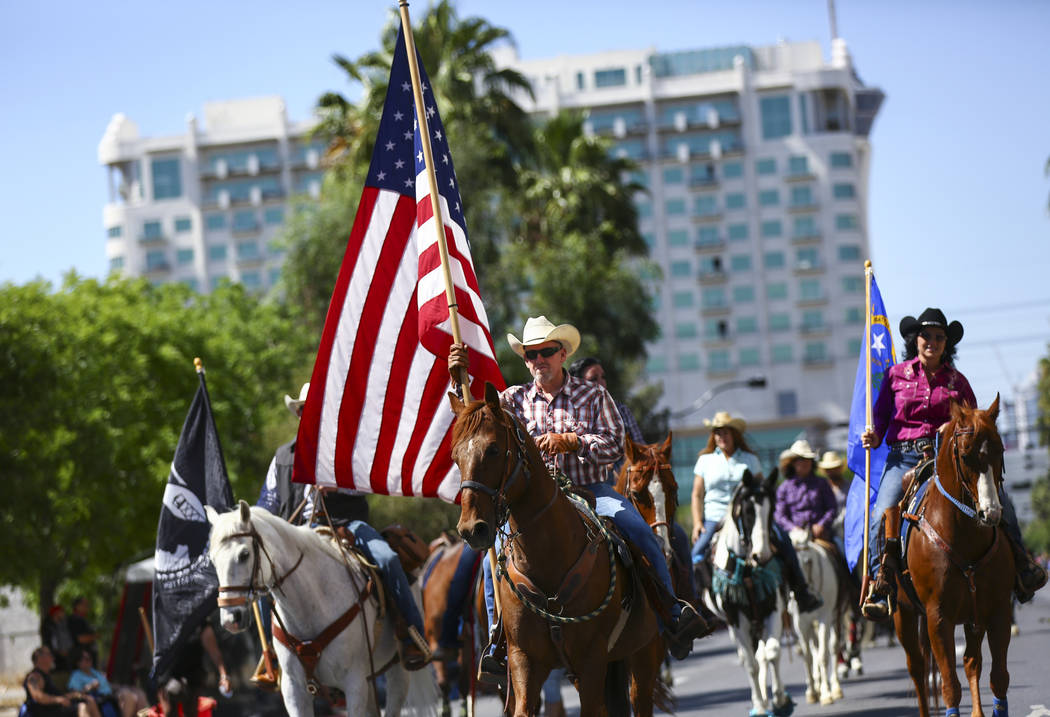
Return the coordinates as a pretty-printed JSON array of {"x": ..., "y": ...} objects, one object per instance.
[{"x": 911, "y": 407}]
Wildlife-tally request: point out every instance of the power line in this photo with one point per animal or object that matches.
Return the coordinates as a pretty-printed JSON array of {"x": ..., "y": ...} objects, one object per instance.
[{"x": 989, "y": 308}]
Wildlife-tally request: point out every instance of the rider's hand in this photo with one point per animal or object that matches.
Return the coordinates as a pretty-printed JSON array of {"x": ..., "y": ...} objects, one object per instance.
[
  {"x": 697, "y": 530},
  {"x": 819, "y": 531},
  {"x": 457, "y": 360},
  {"x": 870, "y": 439},
  {"x": 558, "y": 442}
]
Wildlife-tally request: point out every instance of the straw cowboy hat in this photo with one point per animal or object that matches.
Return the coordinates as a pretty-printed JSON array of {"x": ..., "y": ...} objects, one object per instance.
[
  {"x": 830, "y": 461},
  {"x": 539, "y": 330},
  {"x": 799, "y": 449},
  {"x": 295, "y": 404},
  {"x": 722, "y": 419},
  {"x": 932, "y": 317}
]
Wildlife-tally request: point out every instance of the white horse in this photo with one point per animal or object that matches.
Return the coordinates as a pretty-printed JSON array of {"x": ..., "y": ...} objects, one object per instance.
[
  {"x": 819, "y": 631},
  {"x": 313, "y": 589},
  {"x": 746, "y": 591}
]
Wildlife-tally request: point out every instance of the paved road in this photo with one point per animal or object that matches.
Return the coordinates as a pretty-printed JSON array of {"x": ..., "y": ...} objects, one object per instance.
[{"x": 711, "y": 682}]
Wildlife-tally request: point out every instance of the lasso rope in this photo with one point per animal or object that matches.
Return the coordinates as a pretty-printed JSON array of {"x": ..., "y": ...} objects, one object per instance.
[{"x": 733, "y": 590}]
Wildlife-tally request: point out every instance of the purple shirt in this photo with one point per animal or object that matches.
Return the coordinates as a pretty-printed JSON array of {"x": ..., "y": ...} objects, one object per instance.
[
  {"x": 804, "y": 502},
  {"x": 911, "y": 407}
]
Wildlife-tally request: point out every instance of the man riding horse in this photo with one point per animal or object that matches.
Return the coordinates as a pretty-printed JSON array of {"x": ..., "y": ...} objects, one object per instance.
[{"x": 578, "y": 421}]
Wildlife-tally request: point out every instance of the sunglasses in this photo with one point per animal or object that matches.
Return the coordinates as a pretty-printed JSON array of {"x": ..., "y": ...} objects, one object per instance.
[
  {"x": 532, "y": 354},
  {"x": 932, "y": 337}
]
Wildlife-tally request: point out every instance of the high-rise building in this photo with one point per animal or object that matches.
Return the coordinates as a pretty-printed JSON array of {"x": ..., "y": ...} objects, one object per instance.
[
  {"x": 205, "y": 206},
  {"x": 756, "y": 163}
]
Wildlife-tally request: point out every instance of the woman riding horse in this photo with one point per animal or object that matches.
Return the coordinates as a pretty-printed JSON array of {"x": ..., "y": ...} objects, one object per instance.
[
  {"x": 914, "y": 402},
  {"x": 805, "y": 500},
  {"x": 719, "y": 470},
  {"x": 578, "y": 421}
]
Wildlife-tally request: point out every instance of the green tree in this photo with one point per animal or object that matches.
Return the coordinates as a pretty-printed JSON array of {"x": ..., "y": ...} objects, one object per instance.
[
  {"x": 98, "y": 377},
  {"x": 1037, "y": 532}
]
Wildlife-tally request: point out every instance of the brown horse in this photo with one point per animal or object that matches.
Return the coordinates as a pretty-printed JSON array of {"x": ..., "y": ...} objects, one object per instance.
[
  {"x": 562, "y": 591},
  {"x": 656, "y": 500},
  {"x": 959, "y": 568}
]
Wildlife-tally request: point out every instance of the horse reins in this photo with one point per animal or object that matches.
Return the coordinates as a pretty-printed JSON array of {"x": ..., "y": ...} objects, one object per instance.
[
  {"x": 510, "y": 475},
  {"x": 252, "y": 587},
  {"x": 656, "y": 467}
]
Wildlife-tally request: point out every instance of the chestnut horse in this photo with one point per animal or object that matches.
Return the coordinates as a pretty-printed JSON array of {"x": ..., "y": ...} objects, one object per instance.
[
  {"x": 959, "y": 565},
  {"x": 550, "y": 621}
]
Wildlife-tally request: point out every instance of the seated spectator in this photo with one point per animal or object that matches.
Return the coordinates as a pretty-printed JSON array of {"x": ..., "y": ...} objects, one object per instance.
[
  {"x": 45, "y": 699},
  {"x": 88, "y": 680},
  {"x": 82, "y": 631},
  {"x": 55, "y": 635}
]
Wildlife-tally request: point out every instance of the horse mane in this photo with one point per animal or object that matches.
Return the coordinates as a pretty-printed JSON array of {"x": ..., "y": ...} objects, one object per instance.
[
  {"x": 468, "y": 421},
  {"x": 980, "y": 420},
  {"x": 305, "y": 538}
]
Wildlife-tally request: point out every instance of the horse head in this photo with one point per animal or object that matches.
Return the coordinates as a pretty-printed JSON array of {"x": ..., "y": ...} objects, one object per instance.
[
  {"x": 973, "y": 450},
  {"x": 234, "y": 551},
  {"x": 487, "y": 445},
  {"x": 647, "y": 480},
  {"x": 751, "y": 510}
]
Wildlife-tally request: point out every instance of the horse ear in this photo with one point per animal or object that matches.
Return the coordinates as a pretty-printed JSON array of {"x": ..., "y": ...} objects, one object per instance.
[
  {"x": 246, "y": 511},
  {"x": 748, "y": 478},
  {"x": 665, "y": 448},
  {"x": 957, "y": 411},
  {"x": 213, "y": 515},
  {"x": 628, "y": 448},
  {"x": 492, "y": 397},
  {"x": 993, "y": 410},
  {"x": 457, "y": 405}
]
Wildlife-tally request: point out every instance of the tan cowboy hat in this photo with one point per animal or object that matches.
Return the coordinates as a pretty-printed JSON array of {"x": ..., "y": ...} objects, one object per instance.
[
  {"x": 723, "y": 419},
  {"x": 539, "y": 330},
  {"x": 799, "y": 449},
  {"x": 294, "y": 404},
  {"x": 830, "y": 461}
]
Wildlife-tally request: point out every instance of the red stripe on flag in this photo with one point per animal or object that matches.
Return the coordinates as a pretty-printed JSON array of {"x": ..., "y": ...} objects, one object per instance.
[
  {"x": 430, "y": 403},
  {"x": 430, "y": 259},
  {"x": 438, "y": 469},
  {"x": 309, "y": 425},
  {"x": 354, "y": 393},
  {"x": 395, "y": 398}
]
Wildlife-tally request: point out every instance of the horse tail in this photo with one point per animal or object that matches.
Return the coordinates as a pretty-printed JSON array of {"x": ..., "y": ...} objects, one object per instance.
[
  {"x": 617, "y": 699},
  {"x": 926, "y": 651},
  {"x": 423, "y": 698}
]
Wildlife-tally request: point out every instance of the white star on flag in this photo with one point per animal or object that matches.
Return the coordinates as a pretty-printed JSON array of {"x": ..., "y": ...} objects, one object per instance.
[
  {"x": 876, "y": 341},
  {"x": 398, "y": 116}
]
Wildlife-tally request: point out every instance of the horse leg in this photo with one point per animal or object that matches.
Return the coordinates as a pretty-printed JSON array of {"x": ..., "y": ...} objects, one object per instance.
[
  {"x": 907, "y": 624},
  {"x": 942, "y": 642},
  {"x": 645, "y": 673},
  {"x": 834, "y": 644},
  {"x": 396, "y": 690},
  {"x": 800, "y": 622},
  {"x": 972, "y": 665},
  {"x": 778, "y": 700},
  {"x": 297, "y": 701},
  {"x": 591, "y": 687},
  {"x": 999, "y": 631},
  {"x": 822, "y": 661},
  {"x": 749, "y": 659},
  {"x": 526, "y": 682}
]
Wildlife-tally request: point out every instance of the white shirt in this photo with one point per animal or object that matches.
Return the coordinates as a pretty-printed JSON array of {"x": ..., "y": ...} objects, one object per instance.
[{"x": 721, "y": 477}]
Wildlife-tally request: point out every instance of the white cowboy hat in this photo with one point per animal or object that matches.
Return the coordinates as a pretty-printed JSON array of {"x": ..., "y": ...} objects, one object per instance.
[
  {"x": 294, "y": 404},
  {"x": 830, "y": 461},
  {"x": 799, "y": 449},
  {"x": 723, "y": 419},
  {"x": 539, "y": 330}
]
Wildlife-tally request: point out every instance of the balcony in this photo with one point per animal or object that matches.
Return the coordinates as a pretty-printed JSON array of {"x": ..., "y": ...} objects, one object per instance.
[
  {"x": 806, "y": 176},
  {"x": 715, "y": 309},
  {"x": 158, "y": 268},
  {"x": 810, "y": 238},
  {"x": 245, "y": 229},
  {"x": 806, "y": 268},
  {"x": 814, "y": 329},
  {"x": 272, "y": 194},
  {"x": 816, "y": 361},
  {"x": 713, "y": 276},
  {"x": 711, "y": 216},
  {"x": 801, "y": 207},
  {"x": 708, "y": 245},
  {"x": 706, "y": 182},
  {"x": 152, "y": 240},
  {"x": 720, "y": 373},
  {"x": 815, "y": 300}
]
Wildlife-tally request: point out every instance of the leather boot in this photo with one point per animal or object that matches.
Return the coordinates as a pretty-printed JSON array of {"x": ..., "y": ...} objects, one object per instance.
[
  {"x": 492, "y": 668},
  {"x": 1030, "y": 575},
  {"x": 680, "y": 635},
  {"x": 414, "y": 651},
  {"x": 876, "y": 606}
]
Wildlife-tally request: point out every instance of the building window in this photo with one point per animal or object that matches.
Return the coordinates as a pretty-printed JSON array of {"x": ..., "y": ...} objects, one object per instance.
[
  {"x": 805, "y": 226},
  {"x": 743, "y": 294},
  {"x": 610, "y": 78},
  {"x": 845, "y": 222},
  {"x": 644, "y": 209},
  {"x": 732, "y": 170},
  {"x": 579, "y": 81},
  {"x": 713, "y": 298},
  {"x": 275, "y": 247},
  {"x": 674, "y": 175},
  {"x": 216, "y": 281},
  {"x": 736, "y": 200},
  {"x": 853, "y": 284},
  {"x": 853, "y": 346},
  {"x": 777, "y": 290},
  {"x": 718, "y": 360},
  {"x": 251, "y": 280},
  {"x": 803, "y": 111},
  {"x": 191, "y": 282},
  {"x": 782, "y": 353},
  {"x": 167, "y": 180},
  {"x": 273, "y": 215},
  {"x": 639, "y": 177},
  {"x": 854, "y": 315},
  {"x": 116, "y": 263},
  {"x": 678, "y": 237},
  {"x": 776, "y": 116},
  {"x": 802, "y": 196},
  {"x": 215, "y": 221},
  {"x": 682, "y": 299},
  {"x": 681, "y": 269},
  {"x": 740, "y": 262},
  {"x": 151, "y": 230},
  {"x": 217, "y": 252},
  {"x": 183, "y": 256},
  {"x": 769, "y": 198},
  {"x": 737, "y": 232},
  {"x": 816, "y": 352},
  {"x": 849, "y": 252},
  {"x": 156, "y": 260},
  {"x": 843, "y": 190},
  {"x": 773, "y": 260},
  {"x": 746, "y": 324},
  {"x": 807, "y": 258},
  {"x": 779, "y": 322},
  {"x": 244, "y": 221},
  {"x": 656, "y": 364},
  {"x": 812, "y": 320},
  {"x": 649, "y": 239},
  {"x": 716, "y": 329},
  {"x": 705, "y": 205},
  {"x": 707, "y": 236},
  {"x": 841, "y": 160},
  {"x": 115, "y": 232},
  {"x": 798, "y": 165},
  {"x": 688, "y": 362},
  {"x": 247, "y": 250},
  {"x": 685, "y": 330},
  {"x": 702, "y": 174},
  {"x": 787, "y": 402},
  {"x": 809, "y": 290},
  {"x": 771, "y": 228},
  {"x": 654, "y": 301},
  {"x": 183, "y": 225},
  {"x": 766, "y": 166},
  {"x": 749, "y": 357},
  {"x": 674, "y": 206}
]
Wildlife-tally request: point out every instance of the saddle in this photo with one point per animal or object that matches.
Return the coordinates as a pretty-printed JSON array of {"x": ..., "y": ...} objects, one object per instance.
[
  {"x": 894, "y": 530},
  {"x": 411, "y": 551}
]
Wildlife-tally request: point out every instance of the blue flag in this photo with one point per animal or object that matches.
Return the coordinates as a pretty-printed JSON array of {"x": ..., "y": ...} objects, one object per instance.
[{"x": 880, "y": 359}]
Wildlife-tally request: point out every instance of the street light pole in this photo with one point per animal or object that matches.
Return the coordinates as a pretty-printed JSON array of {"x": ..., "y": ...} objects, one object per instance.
[{"x": 706, "y": 396}]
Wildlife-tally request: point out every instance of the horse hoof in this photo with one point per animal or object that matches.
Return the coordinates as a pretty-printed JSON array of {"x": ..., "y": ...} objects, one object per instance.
[
  {"x": 785, "y": 708},
  {"x": 836, "y": 694},
  {"x": 827, "y": 700},
  {"x": 811, "y": 697}
]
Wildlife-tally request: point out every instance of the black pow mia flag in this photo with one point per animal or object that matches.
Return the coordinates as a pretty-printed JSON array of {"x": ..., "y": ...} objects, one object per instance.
[{"x": 185, "y": 585}]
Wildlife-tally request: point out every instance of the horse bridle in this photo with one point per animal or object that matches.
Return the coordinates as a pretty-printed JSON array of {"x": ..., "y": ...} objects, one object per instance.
[
  {"x": 656, "y": 467},
  {"x": 252, "y": 587},
  {"x": 957, "y": 465},
  {"x": 510, "y": 474}
]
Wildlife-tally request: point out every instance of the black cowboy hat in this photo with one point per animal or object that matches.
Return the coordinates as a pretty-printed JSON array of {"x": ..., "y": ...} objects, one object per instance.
[{"x": 932, "y": 317}]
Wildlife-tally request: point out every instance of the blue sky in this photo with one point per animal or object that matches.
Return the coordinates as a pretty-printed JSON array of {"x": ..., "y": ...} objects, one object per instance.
[{"x": 958, "y": 192}]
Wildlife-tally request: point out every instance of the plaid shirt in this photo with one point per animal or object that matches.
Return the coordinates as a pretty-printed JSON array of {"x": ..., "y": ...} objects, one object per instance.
[{"x": 580, "y": 407}]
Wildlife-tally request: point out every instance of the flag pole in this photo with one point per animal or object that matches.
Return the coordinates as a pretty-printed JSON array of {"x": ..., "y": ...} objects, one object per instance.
[
  {"x": 868, "y": 422},
  {"x": 439, "y": 222}
]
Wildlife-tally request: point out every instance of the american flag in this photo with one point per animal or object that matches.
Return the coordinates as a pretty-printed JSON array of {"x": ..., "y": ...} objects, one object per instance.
[{"x": 377, "y": 418}]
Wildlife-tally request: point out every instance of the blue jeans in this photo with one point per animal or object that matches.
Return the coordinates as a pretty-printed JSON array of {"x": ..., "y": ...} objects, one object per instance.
[
  {"x": 371, "y": 543},
  {"x": 458, "y": 593},
  {"x": 702, "y": 543},
  {"x": 552, "y": 687}
]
